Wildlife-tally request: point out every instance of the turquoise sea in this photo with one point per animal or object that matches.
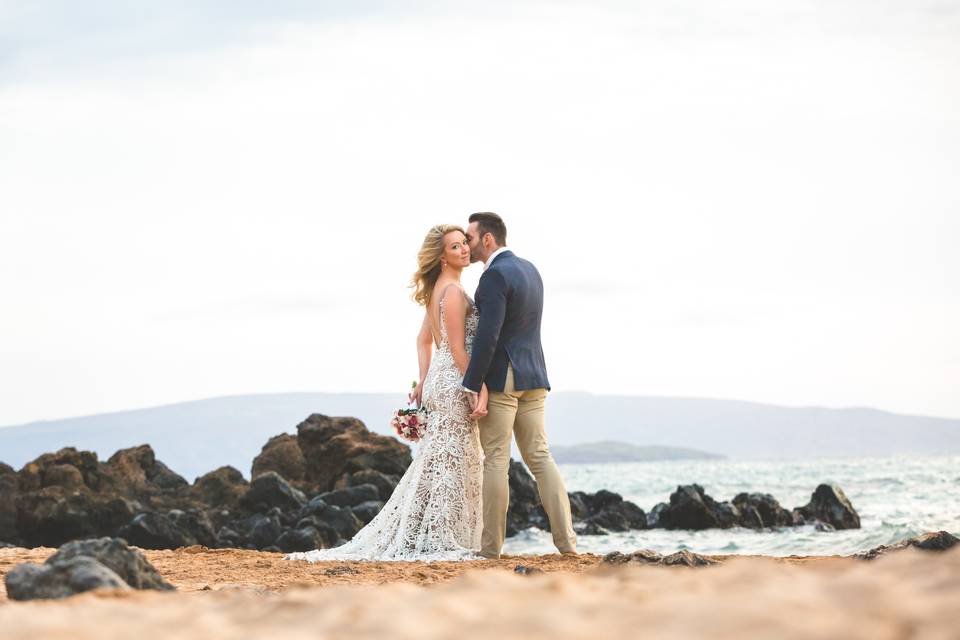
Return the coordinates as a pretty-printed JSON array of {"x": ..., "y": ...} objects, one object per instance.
[{"x": 896, "y": 498}]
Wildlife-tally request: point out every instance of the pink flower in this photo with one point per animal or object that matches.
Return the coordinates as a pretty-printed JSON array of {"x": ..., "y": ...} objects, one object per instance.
[{"x": 410, "y": 424}]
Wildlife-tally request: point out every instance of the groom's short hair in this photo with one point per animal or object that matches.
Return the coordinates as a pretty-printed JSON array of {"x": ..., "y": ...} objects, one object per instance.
[{"x": 488, "y": 222}]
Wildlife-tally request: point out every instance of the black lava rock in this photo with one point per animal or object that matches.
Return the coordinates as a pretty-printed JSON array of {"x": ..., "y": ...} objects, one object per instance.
[
  {"x": 351, "y": 496},
  {"x": 690, "y": 508},
  {"x": 195, "y": 524},
  {"x": 306, "y": 539},
  {"x": 264, "y": 530},
  {"x": 154, "y": 531},
  {"x": 384, "y": 483},
  {"x": 647, "y": 557},
  {"x": 829, "y": 504},
  {"x": 367, "y": 511},
  {"x": 589, "y": 529},
  {"x": 653, "y": 516},
  {"x": 116, "y": 554},
  {"x": 269, "y": 490},
  {"x": 933, "y": 541},
  {"x": 610, "y": 519},
  {"x": 83, "y": 565},
  {"x": 61, "y": 580},
  {"x": 227, "y": 538},
  {"x": 770, "y": 513},
  {"x": 342, "y": 520}
]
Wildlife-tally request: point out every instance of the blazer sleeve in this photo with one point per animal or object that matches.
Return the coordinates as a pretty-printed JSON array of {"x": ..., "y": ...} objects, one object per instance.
[{"x": 492, "y": 300}]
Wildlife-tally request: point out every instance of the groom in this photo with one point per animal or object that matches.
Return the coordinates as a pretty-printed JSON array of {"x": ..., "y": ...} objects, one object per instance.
[{"x": 508, "y": 356}]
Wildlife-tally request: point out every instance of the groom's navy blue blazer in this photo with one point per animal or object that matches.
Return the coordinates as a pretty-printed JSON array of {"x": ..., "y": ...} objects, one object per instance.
[{"x": 510, "y": 301}]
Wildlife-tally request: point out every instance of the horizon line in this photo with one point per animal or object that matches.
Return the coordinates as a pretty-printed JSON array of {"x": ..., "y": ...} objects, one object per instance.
[{"x": 568, "y": 391}]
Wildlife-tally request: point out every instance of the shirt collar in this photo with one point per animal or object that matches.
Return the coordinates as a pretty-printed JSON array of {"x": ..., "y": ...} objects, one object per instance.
[{"x": 486, "y": 265}]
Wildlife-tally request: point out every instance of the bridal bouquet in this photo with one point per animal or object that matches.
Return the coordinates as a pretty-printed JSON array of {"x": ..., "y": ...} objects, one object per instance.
[{"x": 410, "y": 424}]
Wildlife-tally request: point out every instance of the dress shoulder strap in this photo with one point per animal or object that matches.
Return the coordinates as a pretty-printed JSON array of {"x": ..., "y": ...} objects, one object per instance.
[{"x": 443, "y": 294}]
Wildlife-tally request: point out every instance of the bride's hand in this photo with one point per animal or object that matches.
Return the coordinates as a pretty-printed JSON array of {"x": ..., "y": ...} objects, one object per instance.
[
  {"x": 416, "y": 396},
  {"x": 482, "y": 400}
]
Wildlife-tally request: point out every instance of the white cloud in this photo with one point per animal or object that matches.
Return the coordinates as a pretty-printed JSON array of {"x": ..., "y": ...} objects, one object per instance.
[{"x": 723, "y": 202}]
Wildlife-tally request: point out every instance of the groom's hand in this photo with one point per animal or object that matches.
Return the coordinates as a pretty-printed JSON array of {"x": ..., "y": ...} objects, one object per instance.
[
  {"x": 478, "y": 403},
  {"x": 472, "y": 400}
]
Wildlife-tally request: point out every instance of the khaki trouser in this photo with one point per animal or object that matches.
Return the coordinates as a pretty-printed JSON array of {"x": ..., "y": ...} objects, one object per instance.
[{"x": 520, "y": 413}]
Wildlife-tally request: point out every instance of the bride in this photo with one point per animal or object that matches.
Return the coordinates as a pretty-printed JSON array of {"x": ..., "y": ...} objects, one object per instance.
[{"x": 435, "y": 513}]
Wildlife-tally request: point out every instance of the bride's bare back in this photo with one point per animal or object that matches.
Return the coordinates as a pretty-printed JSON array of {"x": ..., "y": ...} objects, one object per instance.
[{"x": 447, "y": 315}]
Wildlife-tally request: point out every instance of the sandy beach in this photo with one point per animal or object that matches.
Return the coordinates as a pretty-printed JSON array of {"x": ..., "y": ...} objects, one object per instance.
[{"x": 226, "y": 594}]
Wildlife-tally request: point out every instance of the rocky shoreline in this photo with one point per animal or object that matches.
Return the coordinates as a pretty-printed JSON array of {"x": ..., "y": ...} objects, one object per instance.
[
  {"x": 110, "y": 564},
  {"x": 316, "y": 490}
]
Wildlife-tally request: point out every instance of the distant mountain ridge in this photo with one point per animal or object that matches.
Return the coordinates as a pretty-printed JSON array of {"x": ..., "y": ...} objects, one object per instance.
[
  {"x": 195, "y": 437},
  {"x": 612, "y": 451}
]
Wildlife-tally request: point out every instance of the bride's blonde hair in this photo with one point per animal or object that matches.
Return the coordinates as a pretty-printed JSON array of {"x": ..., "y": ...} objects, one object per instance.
[{"x": 428, "y": 262}]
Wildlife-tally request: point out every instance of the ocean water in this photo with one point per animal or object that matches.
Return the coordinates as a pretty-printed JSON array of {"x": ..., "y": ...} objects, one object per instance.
[{"x": 896, "y": 498}]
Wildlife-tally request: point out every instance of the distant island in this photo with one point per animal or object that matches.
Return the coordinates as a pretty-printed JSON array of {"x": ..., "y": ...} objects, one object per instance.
[
  {"x": 194, "y": 437},
  {"x": 612, "y": 451}
]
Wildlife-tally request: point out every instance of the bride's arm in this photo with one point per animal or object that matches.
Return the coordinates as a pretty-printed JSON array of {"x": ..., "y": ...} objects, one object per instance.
[
  {"x": 424, "y": 353},
  {"x": 454, "y": 320}
]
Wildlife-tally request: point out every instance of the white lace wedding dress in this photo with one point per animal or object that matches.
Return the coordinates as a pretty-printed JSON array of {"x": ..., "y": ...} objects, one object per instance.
[{"x": 435, "y": 511}]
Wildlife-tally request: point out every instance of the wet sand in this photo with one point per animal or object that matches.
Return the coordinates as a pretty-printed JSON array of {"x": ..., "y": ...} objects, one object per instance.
[{"x": 226, "y": 594}]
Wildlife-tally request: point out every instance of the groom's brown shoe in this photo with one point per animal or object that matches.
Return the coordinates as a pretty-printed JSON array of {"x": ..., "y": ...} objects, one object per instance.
[{"x": 489, "y": 556}]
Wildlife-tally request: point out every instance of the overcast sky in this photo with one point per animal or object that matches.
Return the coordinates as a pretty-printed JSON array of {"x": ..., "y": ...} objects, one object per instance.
[{"x": 754, "y": 200}]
